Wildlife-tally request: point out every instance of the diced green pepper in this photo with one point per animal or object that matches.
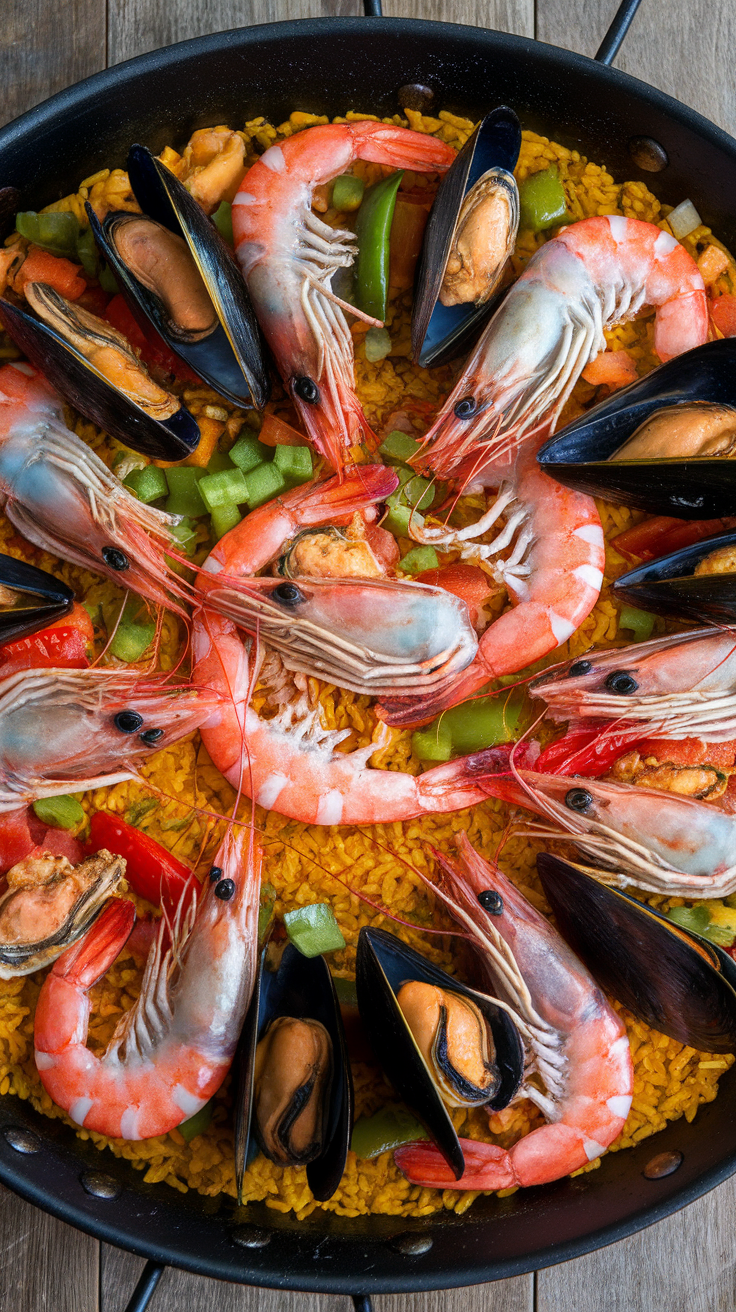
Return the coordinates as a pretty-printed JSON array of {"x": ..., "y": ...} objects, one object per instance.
[
  {"x": 148, "y": 483},
  {"x": 373, "y": 232},
  {"x": 134, "y": 633},
  {"x": 347, "y": 192},
  {"x": 419, "y": 559},
  {"x": 263, "y": 483},
  {"x": 313, "y": 929},
  {"x": 719, "y": 934},
  {"x": 398, "y": 518},
  {"x": 639, "y": 622},
  {"x": 398, "y": 447},
  {"x": 696, "y": 919},
  {"x": 107, "y": 280},
  {"x": 542, "y": 200},
  {"x": 412, "y": 490},
  {"x": 347, "y": 994},
  {"x": 87, "y": 252},
  {"x": 387, "y": 1129},
  {"x": 198, "y": 1123},
  {"x": 223, "y": 519},
  {"x": 184, "y": 497},
  {"x": 62, "y": 812},
  {"x": 223, "y": 221},
  {"x": 55, "y": 232},
  {"x": 433, "y": 743},
  {"x": 485, "y": 721},
  {"x": 186, "y": 535},
  {"x": 294, "y": 463},
  {"x": 226, "y": 488},
  {"x": 265, "y": 910},
  {"x": 218, "y": 461},
  {"x": 248, "y": 452}
]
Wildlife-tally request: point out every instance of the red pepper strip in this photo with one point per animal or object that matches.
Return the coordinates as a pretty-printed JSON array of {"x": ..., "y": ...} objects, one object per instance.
[
  {"x": 723, "y": 314},
  {"x": 152, "y": 872},
  {"x": 590, "y": 752},
  {"x": 65, "y": 645},
  {"x": 153, "y": 349},
  {"x": 662, "y": 535}
]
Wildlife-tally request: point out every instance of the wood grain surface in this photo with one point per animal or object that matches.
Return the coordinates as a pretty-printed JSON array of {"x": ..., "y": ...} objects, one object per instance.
[{"x": 684, "y": 1264}]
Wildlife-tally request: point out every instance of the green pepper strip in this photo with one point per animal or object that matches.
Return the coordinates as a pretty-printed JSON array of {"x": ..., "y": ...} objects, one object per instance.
[{"x": 375, "y": 217}]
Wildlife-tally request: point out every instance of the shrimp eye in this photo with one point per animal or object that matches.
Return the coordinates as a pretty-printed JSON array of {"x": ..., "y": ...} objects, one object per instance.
[
  {"x": 225, "y": 889},
  {"x": 128, "y": 721},
  {"x": 491, "y": 901},
  {"x": 115, "y": 558},
  {"x": 150, "y": 736},
  {"x": 465, "y": 408},
  {"x": 579, "y": 667},
  {"x": 288, "y": 594},
  {"x": 621, "y": 682},
  {"x": 307, "y": 390},
  {"x": 215, "y": 873},
  {"x": 578, "y": 799}
]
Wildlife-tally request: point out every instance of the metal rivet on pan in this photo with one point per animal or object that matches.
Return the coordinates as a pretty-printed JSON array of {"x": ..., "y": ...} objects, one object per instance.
[
  {"x": 663, "y": 1164},
  {"x": 249, "y": 1236},
  {"x": 648, "y": 154},
  {"x": 411, "y": 1245},
  {"x": 23, "y": 1141},
  {"x": 100, "y": 1185},
  {"x": 415, "y": 96}
]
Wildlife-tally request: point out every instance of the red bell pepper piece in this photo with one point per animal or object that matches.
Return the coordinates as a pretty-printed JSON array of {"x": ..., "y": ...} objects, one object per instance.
[
  {"x": 153, "y": 349},
  {"x": 589, "y": 752},
  {"x": 723, "y": 314},
  {"x": 662, "y": 535},
  {"x": 151, "y": 871},
  {"x": 22, "y": 833},
  {"x": 65, "y": 645}
]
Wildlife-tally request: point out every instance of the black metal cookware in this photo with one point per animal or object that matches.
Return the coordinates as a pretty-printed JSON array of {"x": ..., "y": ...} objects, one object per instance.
[{"x": 327, "y": 66}]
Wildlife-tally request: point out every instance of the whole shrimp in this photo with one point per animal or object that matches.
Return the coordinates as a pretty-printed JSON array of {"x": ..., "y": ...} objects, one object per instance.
[
  {"x": 593, "y": 274},
  {"x": 170, "y": 1053},
  {"x": 574, "y": 1041},
  {"x": 288, "y": 256},
  {"x": 61, "y": 496},
  {"x": 63, "y": 730},
  {"x": 554, "y": 575}
]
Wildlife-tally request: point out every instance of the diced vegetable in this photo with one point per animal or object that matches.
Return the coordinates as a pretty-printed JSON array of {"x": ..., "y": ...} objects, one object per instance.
[
  {"x": 542, "y": 200},
  {"x": 433, "y": 743},
  {"x": 587, "y": 752},
  {"x": 640, "y": 622},
  {"x": 186, "y": 534},
  {"x": 412, "y": 490},
  {"x": 347, "y": 994},
  {"x": 223, "y": 519},
  {"x": 387, "y": 1129},
  {"x": 184, "y": 496},
  {"x": 684, "y": 219},
  {"x": 407, "y": 235},
  {"x": 56, "y": 231},
  {"x": 198, "y": 1123},
  {"x": 373, "y": 231},
  {"x": 712, "y": 263},
  {"x": 60, "y": 812},
  {"x": 224, "y": 488},
  {"x": 313, "y": 929},
  {"x": 485, "y": 721},
  {"x": 148, "y": 483},
  {"x": 209, "y": 435},
  {"x": 611, "y": 368},
  {"x": 661, "y": 535},
  {"x": 347, "y": 192},
  {"x": 223, "y": 221},
  {"x": 294, "y": 463},
  {"x": 377, "y": 344},
  {"x": 693, "y": 918},
  {"x": 218, "y": 461},
  {"x": 398, "y": 447},
  {"x": 397, "y": 520},
  {"x": 723, "y": 314},
  {"x": 108, "y": 280},
  {"x": 64, "y": 645},
  {"x": 419, "y": 559},
  {"x": 57, "y": 271},
  {"x": 262, "y": 483},
  {"x": 265, "y": 910},
  {"x": 274, "y": 432},
  {"x": 134, "y": 633},
  {"x": 248, "y": 451},
  {"x": 151, "y": 871},
  {"x": 86, "y": 252}
]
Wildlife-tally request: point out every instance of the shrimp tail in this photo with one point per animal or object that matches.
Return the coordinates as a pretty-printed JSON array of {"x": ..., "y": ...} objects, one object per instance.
[
  {"x": 400, "y": 149},
  {"x": 338, "y": 498},
  {"x": 486, "y": 1166}
]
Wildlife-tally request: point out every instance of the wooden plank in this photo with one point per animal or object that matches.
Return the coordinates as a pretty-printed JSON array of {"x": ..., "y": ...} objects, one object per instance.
[
  {"x": 44, "y": 1264},
  {"x": 39, "y": 54}
]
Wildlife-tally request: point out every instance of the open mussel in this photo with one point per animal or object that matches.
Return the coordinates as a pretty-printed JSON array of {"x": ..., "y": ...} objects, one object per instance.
[
  {"x": 666, "y": 444},
  {"x": 441, "y": 1043},
  {"x": 470, "y": 235},
  {"x": 96, "y": 370},
  {"x": 695, "y": 583},
  {"x": 673, "y": 980},
  {"x": 48, "y": 904},
  {"x": 176, "y": 271},
  {"x": 295, "y": 1094},
  {"x": 30, "y": 599}
]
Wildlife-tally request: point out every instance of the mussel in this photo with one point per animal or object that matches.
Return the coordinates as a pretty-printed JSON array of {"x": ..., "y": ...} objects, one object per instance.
[
  {"x": 9, "y": 206},
  {"x": 30, "y": 599},
  {"x": 673, "y": 980},
  {"x": 469, "y": 237},
  {"x": 666, "y": 444},
  {"x": 695, "y": 583},
  {"x": 441, "y": 1043},
  {"x": 295, "y": 1093},
  {"x": 176, "y": 271},
  {"x": 48, "y": 904}
]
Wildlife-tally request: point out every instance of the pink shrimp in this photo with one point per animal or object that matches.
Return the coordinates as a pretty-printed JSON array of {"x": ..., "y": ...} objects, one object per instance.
[
  {"x": 596, "y": 273},
  {"x": 170, "y": 1053},
  {"x": 288, "y": 256},
  {"x": 61, "y": 496},
  {"x": 554, "y": 576},
  {"x": 575, "y": 1042}
]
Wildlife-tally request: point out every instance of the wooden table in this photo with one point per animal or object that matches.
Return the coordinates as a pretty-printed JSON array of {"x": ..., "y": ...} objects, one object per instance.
[{"x": 685, "y": 1264}]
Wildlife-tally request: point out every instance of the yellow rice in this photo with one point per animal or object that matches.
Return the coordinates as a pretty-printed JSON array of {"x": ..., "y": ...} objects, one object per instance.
[{"x": 670, "y": 1080}]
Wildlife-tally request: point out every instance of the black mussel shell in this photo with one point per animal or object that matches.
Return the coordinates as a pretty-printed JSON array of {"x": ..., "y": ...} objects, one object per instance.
[
  {"x": 383, "y": 964},
  {"x": 672, "y": 980},
  {"x": 439, "y": 332},
  {"x": 230, "y": 359},
  {"x": 9, "y": 206},
  {"x": 93, "y": 396},
  {"x": 669, "y": 586},
  {"x": 578, "y": 456},
  {"x": 54, "y": 599},
  {"x": 301, "y": 987}
]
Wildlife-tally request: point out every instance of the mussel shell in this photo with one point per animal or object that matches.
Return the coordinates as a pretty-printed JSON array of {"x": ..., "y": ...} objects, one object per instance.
[
  {"x": 301, "y": 987},
  {"x": 56, "y": 599},
  {"x": 93, "y": 396},
  {"x": 383, "y": 964},
  {"x": 578, "y": 456},
  {"x": 9, "y": 206},
  {"x": 439, "y": 332},
  {"x": 674, "y": 981},
  {"x": 231, "y": 358},
  {"x": 669, "y": 586}
]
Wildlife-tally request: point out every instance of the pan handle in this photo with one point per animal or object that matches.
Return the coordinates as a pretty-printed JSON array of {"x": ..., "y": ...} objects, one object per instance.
[
  {"x": 613, "y": 40},
  {"x": 373, "y": 8},
  {"x": 144, "y": 1290}
]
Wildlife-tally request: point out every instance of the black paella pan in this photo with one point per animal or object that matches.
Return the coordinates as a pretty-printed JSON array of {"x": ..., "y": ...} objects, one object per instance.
[{"x": 326, "y": 66}]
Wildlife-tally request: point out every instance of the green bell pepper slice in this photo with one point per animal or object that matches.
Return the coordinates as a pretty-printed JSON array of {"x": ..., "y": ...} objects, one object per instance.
[
  {"x": 375, "y": 217},
  {"x": 542, "y": 200}
]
